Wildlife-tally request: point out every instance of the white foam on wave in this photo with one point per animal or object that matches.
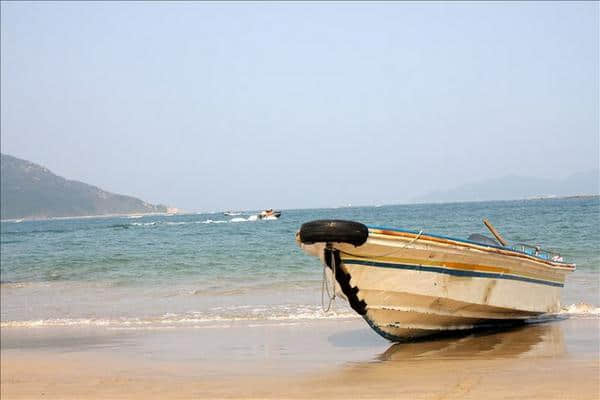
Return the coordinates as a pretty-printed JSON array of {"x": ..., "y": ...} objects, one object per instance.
[
  {"x": 251, "y": 218},
  {"x": 581, "y": 310},
  {"x": 55, "y": 322},
  {"x": 255, "y": 314},
  {"x": 20, "y": 285},
  {"x": 173, "y": 223},
  {"x": 207, "y": 221}
]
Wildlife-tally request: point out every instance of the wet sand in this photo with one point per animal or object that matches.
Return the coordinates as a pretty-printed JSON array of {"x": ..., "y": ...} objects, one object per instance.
[{"x": 321, "y": 359}]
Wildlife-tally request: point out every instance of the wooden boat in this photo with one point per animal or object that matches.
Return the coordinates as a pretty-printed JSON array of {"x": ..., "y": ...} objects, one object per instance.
[{"x": 409, "y": 284}]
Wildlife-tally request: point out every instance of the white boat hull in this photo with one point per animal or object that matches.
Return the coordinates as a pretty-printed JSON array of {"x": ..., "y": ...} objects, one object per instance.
[
  {"x": 404, "y": 303},
  {"x": 407, "y": 286}
]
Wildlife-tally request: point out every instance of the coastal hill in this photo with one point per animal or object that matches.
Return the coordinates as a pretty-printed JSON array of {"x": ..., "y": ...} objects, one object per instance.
[
  {"x": 519, "y": 187},
  {"x": 28, "y": 190}
]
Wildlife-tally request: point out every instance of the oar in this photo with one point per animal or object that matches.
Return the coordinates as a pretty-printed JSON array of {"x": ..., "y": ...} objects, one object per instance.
[{"x": 495, "y": 232}]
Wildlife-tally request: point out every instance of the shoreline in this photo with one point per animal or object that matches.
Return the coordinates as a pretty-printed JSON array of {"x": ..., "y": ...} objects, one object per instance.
[
  {"x": 317, "y": 359},
  {"x": 88, "y": 217}
]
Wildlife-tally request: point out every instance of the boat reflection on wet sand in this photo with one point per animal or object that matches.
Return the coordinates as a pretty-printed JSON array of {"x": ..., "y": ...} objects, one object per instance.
[
  {"x": 552, "y": 360},
  {"x": 527, "y": 341}
]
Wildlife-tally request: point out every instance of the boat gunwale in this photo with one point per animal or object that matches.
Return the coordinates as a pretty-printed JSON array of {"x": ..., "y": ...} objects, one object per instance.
[{"x": 518, "y": 253}]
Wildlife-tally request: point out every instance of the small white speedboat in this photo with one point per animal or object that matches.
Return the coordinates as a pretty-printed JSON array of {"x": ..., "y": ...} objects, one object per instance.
[
  {"x": 269, "y": 214},
  {"x": 409, "y": 284}
]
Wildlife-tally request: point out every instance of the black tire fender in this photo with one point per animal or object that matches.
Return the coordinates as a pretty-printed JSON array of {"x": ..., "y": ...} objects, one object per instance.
[{"x": 333, "y": 231}]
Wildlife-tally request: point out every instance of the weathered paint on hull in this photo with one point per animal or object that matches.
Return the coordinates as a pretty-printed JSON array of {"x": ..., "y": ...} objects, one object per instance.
[{"x": 415, "y": 285}]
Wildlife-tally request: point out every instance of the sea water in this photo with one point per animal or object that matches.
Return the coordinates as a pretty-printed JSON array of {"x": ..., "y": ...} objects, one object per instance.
[{"x": 145, "y": 272}]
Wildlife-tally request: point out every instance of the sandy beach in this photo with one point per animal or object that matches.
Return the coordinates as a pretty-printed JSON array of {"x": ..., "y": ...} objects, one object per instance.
[{"x": 321, "y": 359}]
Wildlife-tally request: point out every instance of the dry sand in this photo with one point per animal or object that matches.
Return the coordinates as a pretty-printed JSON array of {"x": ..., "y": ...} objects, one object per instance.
[{"x": 321, "y": 359}]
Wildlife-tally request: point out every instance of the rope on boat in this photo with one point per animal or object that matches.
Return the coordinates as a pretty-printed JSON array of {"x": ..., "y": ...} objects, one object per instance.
[
  {"x": 391, "y": 253},
  {"x": 325, "y": 281},
  {"x": 325, "y": 285},
  {"x": 414, "y": 240}
]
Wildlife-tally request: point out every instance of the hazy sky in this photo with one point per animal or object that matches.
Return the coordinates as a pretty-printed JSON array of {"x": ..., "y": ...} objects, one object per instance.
[{"x": 212, "y": 106}]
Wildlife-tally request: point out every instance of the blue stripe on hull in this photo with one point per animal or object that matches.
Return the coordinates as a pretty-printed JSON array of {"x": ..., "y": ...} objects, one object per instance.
[{"x": 452, "y": 272}]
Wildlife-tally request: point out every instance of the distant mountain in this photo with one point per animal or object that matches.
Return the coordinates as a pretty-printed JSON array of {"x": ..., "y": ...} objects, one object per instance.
[
  {"x": 28, "y": 190},
  {"x": 519, "y": 187}
]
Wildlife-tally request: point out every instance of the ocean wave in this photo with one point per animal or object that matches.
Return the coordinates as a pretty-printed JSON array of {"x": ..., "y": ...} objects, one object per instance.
[
  {"x": 127, "y": 225},
  {"x": 581, "y": 310},
  {"x": 13, "y": 285},
  {"x": 120, "y": 226},
  {"x": 41, "y": 231},
  {"x": 257, "y": 314},
  {"x": 206, "y": 221}
]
